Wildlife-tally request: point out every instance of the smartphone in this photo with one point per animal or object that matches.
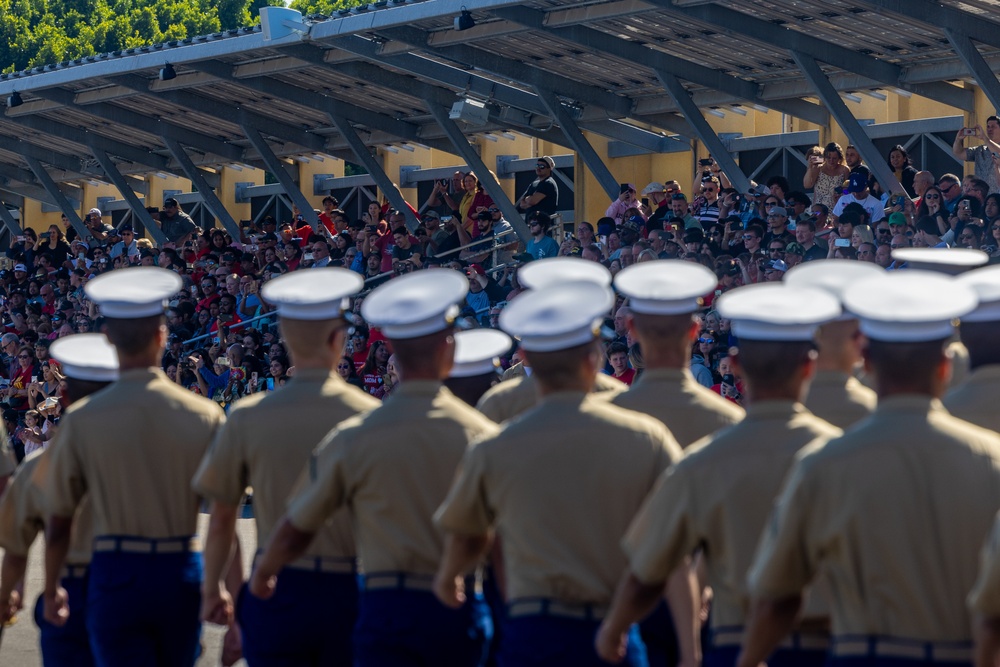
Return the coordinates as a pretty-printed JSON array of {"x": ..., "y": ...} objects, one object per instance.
[
  {"x": 308, "y": 257},
  {"x": 253, "y": 377},
  {"x": 968, "y": 131},
  {"x": 705, "y": 162},
  {"x": 446, "y": 218},
  {"x": 898, "y": 201},
  {"x": 966, "y": 205},
  {"x": 603, "y": 239},
  {"x": 729, "y": 379},
  {"x": 34, "y": 379},
  {"x": 623, "y": 188},
  {"x": 645, "y": 202},
  {"x": 50, "y": 402},
  {"x": 270, "y": 384},
  {"x": 567, "y": 236},
  {"x": 842, "y": 243},
  {"x": 20, "y": 239}
]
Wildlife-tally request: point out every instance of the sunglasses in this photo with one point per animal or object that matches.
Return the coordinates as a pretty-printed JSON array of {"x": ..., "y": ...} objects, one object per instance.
[
  {"x": 932, "y": 197},
  {"x": 707, "y": 341},
  {"x": 23, "y": 356},
  {"x": 708, "y": 189},
  {"x": 780, "y": 251},
  {"x": 541, "y": 166},
  {"x": 884, "y": 231},
  {"x": 748, "y": 237},
  {"x": 493, "y": 210}
]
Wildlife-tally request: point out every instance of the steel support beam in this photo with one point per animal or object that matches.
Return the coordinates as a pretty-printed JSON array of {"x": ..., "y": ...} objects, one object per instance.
[
  {"x": 238, "y": 115},
  {"x": 85, "y": 137},
  {"x": 704, "y": 131},
  {"x": 9, "y": 223},
  {"x": 471, "y": 157},
  {"x": 847, "y": 122},
  {"x": 973, "y": 59},
  {"x": 934, "y": 14},
  {"x": 375, "y": 170},
  {"x": 139, "y": 212},
  {"x": 61, "y": 200},
  {"x": 745, "y": 26},
  {"x": 481, "y": 87},
  {"x": 518, "y": 71},
  {"x": 602, "y": 42},
  {"x": 203, "y": 187},
  {"x": 579, "y": 143},
  {"x": 333, "y": 107},
  {"x": 145, "y": 123},
  {"x": 277, "y": 168}
]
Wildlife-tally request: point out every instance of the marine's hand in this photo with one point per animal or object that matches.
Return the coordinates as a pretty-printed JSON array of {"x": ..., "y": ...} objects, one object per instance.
[
  {"x": 610, "y": 645},
  {"x": 450, "y": 591},
  {"x": 56, "y": 606}
]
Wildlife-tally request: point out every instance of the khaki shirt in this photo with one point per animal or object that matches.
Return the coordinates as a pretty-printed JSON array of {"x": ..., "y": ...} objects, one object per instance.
[
  {"x": 515, "y": 371},
  {"x": 839, "y": 398},
  {"x": 8, "y": 462},
  {"x": 561, "y": 485},
  {"x": 985, "y": 596},
  {"x": 960, "y": 364},
  {"x": 718, "y": 497},
  {"x": 513, "y": 397},
  {"x": 894, "y": 512},
  {"x": 392, "y": 468},
  {"x": 23, "y": 514},
  {"x": 266, "y": 443},
  {"x": 689, "y": 410},
  {"x": 975, "y": 400},
  {"x": 135, "y": 447}
]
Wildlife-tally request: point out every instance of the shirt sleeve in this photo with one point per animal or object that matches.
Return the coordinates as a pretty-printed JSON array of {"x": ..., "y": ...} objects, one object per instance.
[
  {"x": 326, "y": 490},
  {"x": 784, "y": 563},
  {"x": 662, "y": 533},
  {"x": 985, "y": 595},
  {"x": 20, "y": 521},
  {"x": 970, "y": 155},
  {"x": 466, "y": 509},
  {"x": 223, "y": 474},
  {"x": 62, "y": 480}
]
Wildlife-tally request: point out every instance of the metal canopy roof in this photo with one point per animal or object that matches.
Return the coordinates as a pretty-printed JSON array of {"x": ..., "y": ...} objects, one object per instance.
[{"x": 384, "y": 66}]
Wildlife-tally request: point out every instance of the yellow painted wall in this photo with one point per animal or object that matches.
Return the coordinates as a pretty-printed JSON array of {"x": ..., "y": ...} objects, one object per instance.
[{"x": 329, "y": 165}]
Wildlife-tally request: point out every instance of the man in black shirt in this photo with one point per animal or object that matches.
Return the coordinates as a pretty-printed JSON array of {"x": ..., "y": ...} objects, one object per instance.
[{"x": 543, "y": 193}]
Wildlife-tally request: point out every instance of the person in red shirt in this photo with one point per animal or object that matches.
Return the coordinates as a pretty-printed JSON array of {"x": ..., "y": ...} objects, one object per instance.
[
  {"x": 618, "y": 358},
  {"x": 731, "y": 386}
]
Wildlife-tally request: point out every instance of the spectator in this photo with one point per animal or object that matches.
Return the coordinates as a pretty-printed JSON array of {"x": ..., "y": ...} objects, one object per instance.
[
  {"x": 21, "y": 377},
  {"x": 905, "y": 173},
  {"x": 541, "y": 245},
  {"x": 175, "y": 224},
  {"x": 826, "y": 174},
  {"x": 857, "y": 192},
  {"x": 982, "y": 156},
  {"x": 390, "y": 380},
  {"x": 701, "y": 360},
  {"x": 626, "y": 200},
  {"x": 348, "y": 373},
  {"x": 374, "y": 371},
  {"x": 618, "y": 359},
  {"x": 543, "y": 194},
  {"x": 951, "y": 191}
]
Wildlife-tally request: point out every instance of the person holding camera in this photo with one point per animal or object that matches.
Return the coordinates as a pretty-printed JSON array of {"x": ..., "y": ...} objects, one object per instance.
[
  {"x": 983, "y": 155},
  {"x": 626, "y": 200}
]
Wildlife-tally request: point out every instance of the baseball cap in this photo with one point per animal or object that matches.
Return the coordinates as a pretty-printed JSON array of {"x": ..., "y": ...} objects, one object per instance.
[
  {"x": 170, "y": 201},
  {"x": 633, "y": 224},
  {"x": 897, "y": 219},
  {"x": 654, "y": 187},
  {"x": 858, "y": 181},
  {"x": 778, "y": 265},
  {"x": 778, "y": 210},
  {"x": 430, "y": 214},
  {"x": 20, "y": 267}
]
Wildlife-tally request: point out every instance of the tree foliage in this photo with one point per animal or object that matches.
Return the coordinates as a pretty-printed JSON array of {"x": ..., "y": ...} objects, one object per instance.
[{"x": 40, "y": 32}]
